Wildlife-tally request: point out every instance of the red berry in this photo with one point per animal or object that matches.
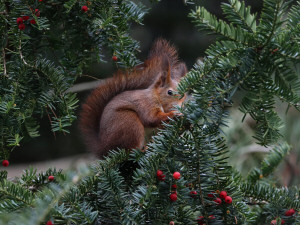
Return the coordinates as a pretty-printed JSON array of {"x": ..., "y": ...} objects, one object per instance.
[
  {"x": 40, "y": 0},
  {"x": 22, "y": 26},
  {"x": 218, "y": 201},
  {"x": 193, "y": 193},
  {"x": 200, "y": 220},
  {"x": 25, "y": 18},
  {"x": 173, "y": 197},
  {"x": 37, "y": 12},
  {"x": 172, "y": 223},
  {"x": 114, "y": 58},
  {"x": 282, "y": 222},
  {"x": 174, "y": 186},
  {"x": 51, "y": 178},
  {"x": 5, "y": 163},
  {"x": 84, "y": 8},
  {"x": 32, "y": 21},
  {"x": 273, "y": 222},
  {"x": 163, "y": 177},
  {"x": 210, "y": 195},
  {"x": 159, "y": 173},
  {"x": 50, "y": 222},
  {"x": 228, "y": 199},
  {"x": 289, "y": 212},
  {"x": 176, "y": 175},
  {"x": 19, "y": 20},
  {"x": 223, "y": 194},
  {"x": 211, "y": 217}
]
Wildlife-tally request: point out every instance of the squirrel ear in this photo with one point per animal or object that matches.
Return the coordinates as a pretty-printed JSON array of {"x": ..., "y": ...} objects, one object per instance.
[
  {"x": 160, "y": 81},
  {"x": 166, "y": 68},
  {"x": 179, "y": 71}
]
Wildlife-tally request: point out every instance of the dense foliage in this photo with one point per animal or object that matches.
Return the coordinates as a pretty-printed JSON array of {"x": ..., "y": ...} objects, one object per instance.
[
  {"x": 45, "y": 47},
  {"x": 253, "y": 57}
]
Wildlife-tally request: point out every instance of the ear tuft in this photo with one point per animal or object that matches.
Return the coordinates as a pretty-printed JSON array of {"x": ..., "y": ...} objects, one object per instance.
[
  {"x": 162, "y": 48},
  {"x": 179, "y": 71}
]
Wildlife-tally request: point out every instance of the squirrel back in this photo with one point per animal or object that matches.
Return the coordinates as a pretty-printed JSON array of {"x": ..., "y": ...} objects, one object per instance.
[{"x": 163, "y": 57}]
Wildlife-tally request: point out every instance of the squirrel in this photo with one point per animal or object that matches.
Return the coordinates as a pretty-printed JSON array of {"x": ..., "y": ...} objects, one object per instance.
[{"x": 117, "y": 112}]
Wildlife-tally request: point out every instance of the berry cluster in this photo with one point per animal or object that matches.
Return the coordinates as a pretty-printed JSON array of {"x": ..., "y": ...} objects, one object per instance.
[
  {"x": 22, "y": 20},
  {"x": 289, "y": 212},
  {"x": 173, "y": 195},
  {"x": 160, "y": 175},
  {"x": 201, "y": 221},
  {"x": 222, "y": 195},
  {"x": 176, "y": 175}
]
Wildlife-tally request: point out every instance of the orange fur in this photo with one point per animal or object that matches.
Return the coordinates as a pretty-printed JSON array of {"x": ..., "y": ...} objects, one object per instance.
[{"x": 117, "y": 111}]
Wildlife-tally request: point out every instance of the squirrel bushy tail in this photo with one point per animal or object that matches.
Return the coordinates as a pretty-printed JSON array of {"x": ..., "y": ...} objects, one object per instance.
[{"x": 141, "y": 77}]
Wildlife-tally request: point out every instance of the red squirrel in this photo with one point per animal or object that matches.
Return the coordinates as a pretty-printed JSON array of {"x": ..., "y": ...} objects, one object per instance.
[{"x": 117, "y": 112}]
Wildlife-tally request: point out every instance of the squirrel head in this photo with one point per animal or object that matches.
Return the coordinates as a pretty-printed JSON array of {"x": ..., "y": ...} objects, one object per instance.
[{"x": 165, "y": 87}]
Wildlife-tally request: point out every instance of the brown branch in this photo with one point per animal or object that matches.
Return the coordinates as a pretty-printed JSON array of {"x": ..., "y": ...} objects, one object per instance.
[
  {"x": 84, "y": 86},
  {"x": 4, "y": 62}
]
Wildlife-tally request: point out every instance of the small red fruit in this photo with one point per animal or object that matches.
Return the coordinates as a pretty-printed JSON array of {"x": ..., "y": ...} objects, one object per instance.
[
  {"x": 162, "y": 177},
  {"x": 223, "y": 194},
  {"x": 51, "y": 178},
  {"x": 228, "y": 199},
  {"x": 172, "y": 223},
  {"x": 84, "y": 8},
  {"x": 25, "y": 18},
  {"x": 159, "y": 173},
  {"x": 37, "y": 12},
  {"x": 19, "y": 20},
  {"x": 32, "y": 21},
  {"x": 5, "y": 163},
  {"x": 174, "y": 186},
  {"x": 289, "y": 212},
  {"x": 176, "y": 175},
  {"x": 40, "y": 0},
  {"x": 173, "y": 197},
  {"x": 273, "y": 222},
  {"x": 282, "y": 222},
  {"x": 114, "y": 58},
  {"x": 218, "y": 201},
  {"x": 22, "y": 26},
  {"x": 211, "y": 217},
  {"x": 200, "y": 220},
  {"x": 210, "y": 195},
  {"x": 50, "y": 222},
  {"x": 193, "y": 194}
]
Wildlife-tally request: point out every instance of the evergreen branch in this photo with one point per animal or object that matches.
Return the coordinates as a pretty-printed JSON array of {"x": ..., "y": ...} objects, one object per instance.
[
  {"x": 4, "y": 63},
  {"x": 238, "y": 14},
  {"x": 69, "y": 5},
  {"x": 14, "y": 196},
  {"x": 283, "y": 197},
  {"x": 208, "y": 22},
  {"x": 45, "y": 202},
  {"x": 268, "y": 165}
]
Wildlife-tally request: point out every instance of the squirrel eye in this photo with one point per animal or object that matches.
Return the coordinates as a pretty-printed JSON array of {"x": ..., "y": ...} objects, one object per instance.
[{"x": 170, "y": 92}]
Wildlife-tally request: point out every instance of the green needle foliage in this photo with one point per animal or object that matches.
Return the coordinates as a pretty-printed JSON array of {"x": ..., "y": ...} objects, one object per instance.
[
  {"x": 41, "y": 60},
  {"x": 253, "y": 58}
]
